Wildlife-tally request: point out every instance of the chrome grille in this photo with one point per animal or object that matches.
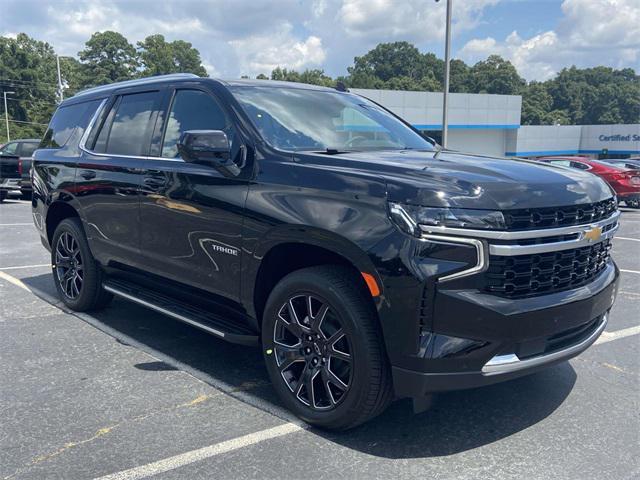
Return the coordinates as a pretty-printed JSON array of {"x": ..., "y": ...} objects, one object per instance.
[
  {"x": 535, "y": 218},
  {"x": 537, "y": 274}
]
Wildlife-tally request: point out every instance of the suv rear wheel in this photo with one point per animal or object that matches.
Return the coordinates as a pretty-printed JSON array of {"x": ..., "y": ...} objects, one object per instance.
[
  {"x": 77, "y": 276},
  {"x": 323, "y": 348}
]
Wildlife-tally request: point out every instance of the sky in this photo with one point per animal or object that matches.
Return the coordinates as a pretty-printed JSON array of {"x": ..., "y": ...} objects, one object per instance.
[{"x": 248, "y": 37}]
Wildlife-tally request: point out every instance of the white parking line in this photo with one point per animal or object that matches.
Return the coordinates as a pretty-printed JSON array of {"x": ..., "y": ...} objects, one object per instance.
[
  {"x": 15, "y": 281},
  {"x": 25, "y": 266},
  {"x": 630, "y": 271},
  {"x": 627, "y": 238},
  {"x": 625, "y": 332},
  {"x": 193, "y": 456},
  {"x": 177, "y": 461}
]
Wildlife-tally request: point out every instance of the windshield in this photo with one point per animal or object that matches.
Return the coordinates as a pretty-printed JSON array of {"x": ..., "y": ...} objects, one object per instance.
[
  {"x": 304, "y": 119},
  {"x": 615, "y": 166}
]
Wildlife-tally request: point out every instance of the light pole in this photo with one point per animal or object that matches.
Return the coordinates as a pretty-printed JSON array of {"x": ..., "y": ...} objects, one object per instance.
[
  {"x": 60, "y": 91},
  {"x": 6, "y": 114},
  {"x": 447, "y": 61}
]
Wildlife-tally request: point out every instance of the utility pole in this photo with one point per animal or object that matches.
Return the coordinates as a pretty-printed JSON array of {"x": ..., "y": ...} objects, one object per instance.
[
  {"x": 447, "y": 62},
  {"x": 6, "y": 114},
  {"x": 60, "y": 93}
]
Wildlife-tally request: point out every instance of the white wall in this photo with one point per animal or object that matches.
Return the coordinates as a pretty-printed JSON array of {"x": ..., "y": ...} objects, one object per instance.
[
  {"x": 465, "y": 109},
  {"x": 480, "y": 141},
  {"x": 624, "y": 138},
  {"x": 531, "y": 140},
  {"x": 500, "y": 114},
  {"x": 537, "y": 139}
]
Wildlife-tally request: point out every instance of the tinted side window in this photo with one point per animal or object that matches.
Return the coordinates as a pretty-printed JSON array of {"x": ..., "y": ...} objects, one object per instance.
[
  {"x": 191, "y": 110},
  {"x": 10, "y": 148},
  {"x": 101, "y": 142},
  {"x": 130, "y": 130},
  {"x": 65, "y": 121},
  {"x": 581, "y": 166},
  {"x": 27, "y": 149}
]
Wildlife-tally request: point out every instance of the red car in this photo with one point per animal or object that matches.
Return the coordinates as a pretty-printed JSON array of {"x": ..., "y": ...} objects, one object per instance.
[{"x": 625, "y": 181}]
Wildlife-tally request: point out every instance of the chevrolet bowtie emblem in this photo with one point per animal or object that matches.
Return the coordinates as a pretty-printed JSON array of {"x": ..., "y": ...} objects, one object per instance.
[{"x": 593, "y": 234}]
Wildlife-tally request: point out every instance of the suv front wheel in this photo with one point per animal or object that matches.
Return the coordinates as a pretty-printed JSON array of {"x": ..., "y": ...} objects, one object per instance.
[{"x": 323, "y": 350}]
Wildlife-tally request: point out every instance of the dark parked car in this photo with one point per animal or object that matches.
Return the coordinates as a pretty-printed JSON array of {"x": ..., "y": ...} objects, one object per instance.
[
  {"x": 17, "y": 158},
  {"x": 9, "y": 175},
  {"x": 366, "y": 263},
  {"x": 624, "y": 180}
]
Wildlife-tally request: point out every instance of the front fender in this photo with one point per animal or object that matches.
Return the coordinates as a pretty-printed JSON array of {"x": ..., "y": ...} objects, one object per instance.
[{"x": 319, "y": 238}]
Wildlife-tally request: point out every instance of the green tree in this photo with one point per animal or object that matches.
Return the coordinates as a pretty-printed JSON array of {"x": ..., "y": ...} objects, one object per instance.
[
  {"x": 28, "y": 68},
  {"x": 536, "y": 104},
  {"x": 108, "y": 57},
  {"x": 391, "y": 60},
  {"x": 313, "y": 77},
  {"x": 496, "y": 75},
  {"x": 159, "y": 57},
  {"x": 73, "y": 76},
  {"x": 459, "y": 77},
  {"x": 401, "y": 66},
  {"x": 597, "y": 95}
]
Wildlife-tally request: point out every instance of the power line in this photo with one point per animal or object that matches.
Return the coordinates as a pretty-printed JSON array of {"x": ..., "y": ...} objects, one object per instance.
[
  {"x": 32, "y": 123},
  {"x": 24, "y": 87},
  {"x": 31, "y": 101},
  {"x": 33, "y": 82}
]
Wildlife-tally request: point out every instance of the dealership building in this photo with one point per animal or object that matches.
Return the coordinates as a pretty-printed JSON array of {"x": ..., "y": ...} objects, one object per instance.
[{"x": 490, "y": 125}]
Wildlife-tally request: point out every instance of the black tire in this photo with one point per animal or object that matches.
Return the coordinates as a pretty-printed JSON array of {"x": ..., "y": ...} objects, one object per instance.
[
  {"x": 369, "y": 389},
  {"x": 3, "y": 195},
  {"x": 77, "y": 276},
  {"x": 26, "y": 195},
  {"x": 633, "y": 203}
]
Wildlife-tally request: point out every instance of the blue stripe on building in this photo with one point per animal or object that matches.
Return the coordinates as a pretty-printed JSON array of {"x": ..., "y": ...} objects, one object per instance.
[
  {"x": 438, "y": 126},
  {"x": 569, "y": 152}
]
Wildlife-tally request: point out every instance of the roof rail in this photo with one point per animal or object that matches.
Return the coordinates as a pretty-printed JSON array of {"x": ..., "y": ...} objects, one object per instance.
[{"x": 137, "y": 81}]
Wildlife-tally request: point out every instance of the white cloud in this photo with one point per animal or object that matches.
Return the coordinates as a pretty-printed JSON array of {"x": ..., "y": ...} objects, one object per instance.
[
  {"x": 412, "y": 20},
  {"x": 261, "y": 54},
  {"x": 591, "y": 32},
  {"x": 253, "y": 36}
]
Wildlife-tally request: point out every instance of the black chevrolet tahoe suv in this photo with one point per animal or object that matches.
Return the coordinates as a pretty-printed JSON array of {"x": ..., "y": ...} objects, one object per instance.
[{"x": 368, "y": 263}]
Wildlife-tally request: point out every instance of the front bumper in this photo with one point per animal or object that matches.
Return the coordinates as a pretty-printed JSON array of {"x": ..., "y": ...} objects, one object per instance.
[
  {"x": 481, "y": 339},
  {"x": 10, "y": 184}
]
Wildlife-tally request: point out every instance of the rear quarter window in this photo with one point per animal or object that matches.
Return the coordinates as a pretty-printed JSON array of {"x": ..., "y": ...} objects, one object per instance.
[
  {"x": 65, "y": 121},
  {"x": 128, "y": 127},
  {"x": 28, "y": 148}
]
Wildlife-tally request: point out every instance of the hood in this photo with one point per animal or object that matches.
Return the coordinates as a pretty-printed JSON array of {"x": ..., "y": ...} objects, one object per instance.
[{"x": 453, "y": 179}]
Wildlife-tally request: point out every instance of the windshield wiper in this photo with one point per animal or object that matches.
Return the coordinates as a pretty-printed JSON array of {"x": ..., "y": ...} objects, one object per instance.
[{"x": 333, "y": 151}]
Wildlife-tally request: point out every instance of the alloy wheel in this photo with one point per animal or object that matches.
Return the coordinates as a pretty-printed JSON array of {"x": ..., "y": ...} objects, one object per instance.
[
  {"x": 312, "y": 352},
  {"x": 68, "y": 265}
]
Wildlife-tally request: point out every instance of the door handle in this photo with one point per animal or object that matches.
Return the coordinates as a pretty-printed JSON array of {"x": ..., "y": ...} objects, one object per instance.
[{"x": 88, "y": 174}]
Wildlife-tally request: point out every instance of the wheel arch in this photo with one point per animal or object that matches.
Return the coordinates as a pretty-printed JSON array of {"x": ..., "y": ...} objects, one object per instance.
[
  {"x": 293, "y": 248},
  {"x": 56, "y": 213}
]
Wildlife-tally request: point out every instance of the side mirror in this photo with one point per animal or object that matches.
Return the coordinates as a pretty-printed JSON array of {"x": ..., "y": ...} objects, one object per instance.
[{"x": 210, "y": 147}]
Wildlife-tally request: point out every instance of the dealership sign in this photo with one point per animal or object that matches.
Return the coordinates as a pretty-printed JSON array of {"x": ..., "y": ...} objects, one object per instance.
[{"x": 619, "y": 138}]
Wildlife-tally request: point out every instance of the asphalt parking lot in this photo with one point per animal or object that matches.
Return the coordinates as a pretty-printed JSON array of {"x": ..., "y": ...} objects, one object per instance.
[{"x": 128, "y": 393}]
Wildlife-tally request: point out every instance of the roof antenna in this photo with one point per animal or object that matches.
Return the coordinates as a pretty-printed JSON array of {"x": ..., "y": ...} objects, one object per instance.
[{"x": 340, "y": 86}]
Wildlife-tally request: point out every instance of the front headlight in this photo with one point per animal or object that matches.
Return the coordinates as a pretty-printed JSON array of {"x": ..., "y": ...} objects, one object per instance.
[{"x": 409, "y": 217}]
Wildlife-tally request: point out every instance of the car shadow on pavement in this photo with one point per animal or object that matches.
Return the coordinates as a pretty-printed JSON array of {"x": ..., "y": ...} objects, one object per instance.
[
  {"x": 458, "y": 421},
  {"x": 463, "y": 420}
]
